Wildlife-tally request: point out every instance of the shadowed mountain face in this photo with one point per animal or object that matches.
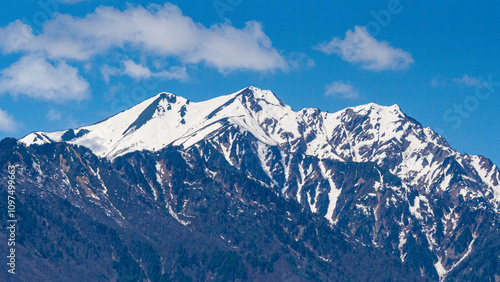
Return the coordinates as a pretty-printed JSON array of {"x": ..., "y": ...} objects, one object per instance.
[{"x": 241, "y": 187}]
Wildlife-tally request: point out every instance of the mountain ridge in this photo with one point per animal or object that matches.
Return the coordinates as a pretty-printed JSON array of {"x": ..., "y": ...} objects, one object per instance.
[
  {"x": 251, "y": 91},
  {"x": 277, "y": 124},
  {"x": 371, "y": 171}
]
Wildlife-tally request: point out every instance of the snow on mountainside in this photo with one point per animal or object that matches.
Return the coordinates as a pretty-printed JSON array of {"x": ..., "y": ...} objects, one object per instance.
[
  {"x": 384, "y": 135},
  {"x": 372, "y": 171},
  {"x": 162, "y": 120}
]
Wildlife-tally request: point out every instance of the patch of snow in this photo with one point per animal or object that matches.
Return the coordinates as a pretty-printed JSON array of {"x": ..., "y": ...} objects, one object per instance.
[
  {"x": 324, "y": 259},
  {"x": 364, "y": 209},
  {"x": 104, "y": 188},
  {"x": 333, "y": 195},
  {"x": 415, "y": 209},
  {"x": 440, "y": 270},
  {"x": 403, "y": 234},
  {"x": 174, "y": 215}
]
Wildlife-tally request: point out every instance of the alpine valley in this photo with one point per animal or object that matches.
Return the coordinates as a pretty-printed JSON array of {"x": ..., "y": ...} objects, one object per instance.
[{"x": 241, "y": 187}]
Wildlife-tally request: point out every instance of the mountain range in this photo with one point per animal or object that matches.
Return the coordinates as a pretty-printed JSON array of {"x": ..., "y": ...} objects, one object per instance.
[{"x": 242, "y": 187}]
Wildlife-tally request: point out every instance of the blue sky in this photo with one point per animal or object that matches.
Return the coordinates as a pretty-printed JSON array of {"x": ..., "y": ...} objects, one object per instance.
[{"x": 68, "y": 63}]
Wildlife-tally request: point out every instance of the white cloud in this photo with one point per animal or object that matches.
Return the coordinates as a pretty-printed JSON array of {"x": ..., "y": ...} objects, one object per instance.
[
  {"x": 53, "y": 115},
  {"x": 157, "y": 30},
  {"x": 175, "y": 72},
  {"x": 35, "y": 77},
  {"x": 470, "y": 81},
  {"x": 464, "y": 80},
  {"x": 138, "y": 71},
  {"x": 300, "y": 61},
  {"x": 7, "y": 123},
  {"x": 342, "y": 90},
  {"x": 360, "y": 47},
  {"x": 108, "y": 71}
]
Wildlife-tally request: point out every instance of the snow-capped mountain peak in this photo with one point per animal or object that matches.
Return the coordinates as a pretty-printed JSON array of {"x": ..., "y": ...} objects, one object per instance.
[
  {"x": 367, "y": 133},
  {"x": 161, "y": 120},
  {"x": 169, "y": 119},
  {"x": 355, "y": 163}
]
